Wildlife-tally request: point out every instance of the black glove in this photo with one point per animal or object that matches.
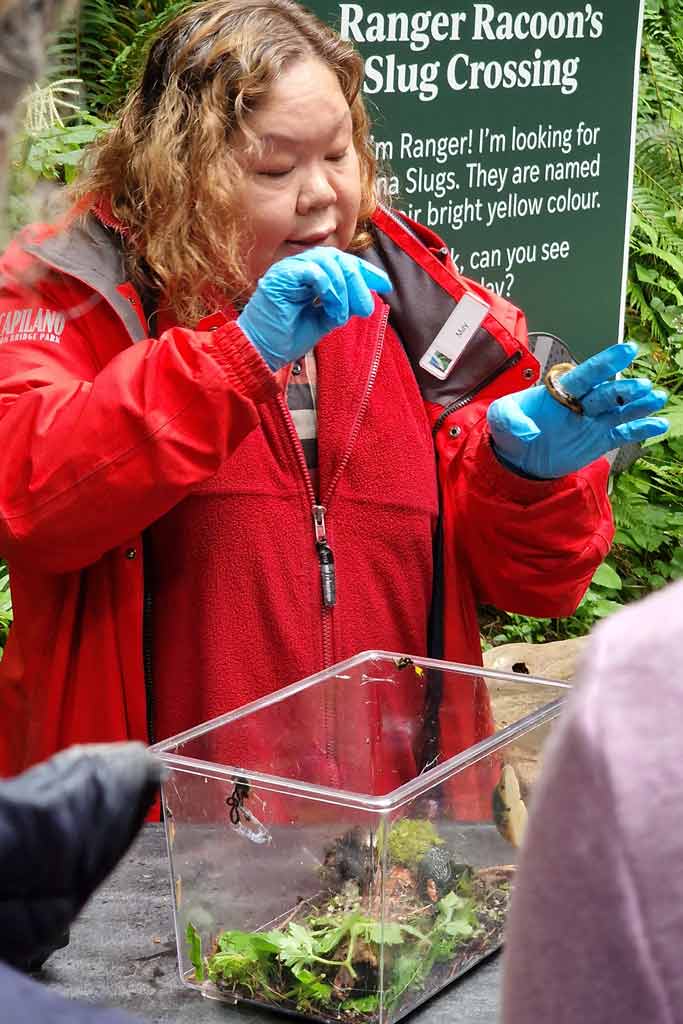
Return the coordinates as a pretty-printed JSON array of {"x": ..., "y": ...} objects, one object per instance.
[
  {"x": 63, "y": 826},
  {"x": 25, "y": 1001}
]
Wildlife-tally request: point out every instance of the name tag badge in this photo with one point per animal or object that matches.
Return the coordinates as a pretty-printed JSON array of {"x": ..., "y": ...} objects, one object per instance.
[{"x": 448, "y": 346}]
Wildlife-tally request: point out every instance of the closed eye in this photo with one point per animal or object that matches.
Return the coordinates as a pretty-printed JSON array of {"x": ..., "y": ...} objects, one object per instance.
[{"x": 276, "y": 174}]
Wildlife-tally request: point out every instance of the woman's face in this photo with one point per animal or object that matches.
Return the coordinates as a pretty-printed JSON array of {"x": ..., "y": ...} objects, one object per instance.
[{"x": 304, "y": 188}]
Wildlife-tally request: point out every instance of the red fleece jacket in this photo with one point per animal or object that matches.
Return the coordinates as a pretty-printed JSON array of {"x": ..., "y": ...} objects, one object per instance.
[{"x": 107, "y": 433}]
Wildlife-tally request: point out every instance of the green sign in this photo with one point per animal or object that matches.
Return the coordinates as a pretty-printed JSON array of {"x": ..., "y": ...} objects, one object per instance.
[{"x": 509, "y": 131}]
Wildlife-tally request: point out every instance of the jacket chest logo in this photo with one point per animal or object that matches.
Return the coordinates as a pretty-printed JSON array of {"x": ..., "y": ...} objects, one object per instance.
[{"x": 32, "y": 325}]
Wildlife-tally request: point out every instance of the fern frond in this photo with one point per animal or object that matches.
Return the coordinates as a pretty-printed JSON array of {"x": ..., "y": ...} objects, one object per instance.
[
  {"x": 670, "y": 258},
  {"x": 129, "y": 62},
  {"x": 636, "y": 297},
  {"x": 657, "y": 189},
  {"x": 660, "y": 83},
  {"x": 88, "y": 46},
  {"x": 654, "y": 214},
  {"x": 659, "y": 154}
]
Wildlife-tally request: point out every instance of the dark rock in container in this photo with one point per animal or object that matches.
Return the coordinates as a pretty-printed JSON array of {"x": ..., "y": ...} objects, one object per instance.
[{"x": 439, "y": 873}]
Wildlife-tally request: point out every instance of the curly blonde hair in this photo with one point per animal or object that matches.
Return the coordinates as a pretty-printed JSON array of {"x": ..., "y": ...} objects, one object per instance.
[{"x": 167, "y": 168}]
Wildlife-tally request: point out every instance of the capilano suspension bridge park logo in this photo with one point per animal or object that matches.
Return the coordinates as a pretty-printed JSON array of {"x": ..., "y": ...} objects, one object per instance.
[{"x": 32, "y": 325}]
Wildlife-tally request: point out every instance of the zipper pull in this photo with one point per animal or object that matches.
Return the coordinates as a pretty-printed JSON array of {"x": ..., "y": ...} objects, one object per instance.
[
  {"x": 319, "y": 524},
  {"x": 328, "y": 578}
]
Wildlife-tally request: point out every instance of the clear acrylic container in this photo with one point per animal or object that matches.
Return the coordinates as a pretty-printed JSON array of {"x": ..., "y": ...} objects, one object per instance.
[{"x": 327, "y": 859}]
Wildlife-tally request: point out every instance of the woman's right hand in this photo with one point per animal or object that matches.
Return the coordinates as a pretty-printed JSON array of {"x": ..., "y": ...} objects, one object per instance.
[{"x": 301, "y": 298}]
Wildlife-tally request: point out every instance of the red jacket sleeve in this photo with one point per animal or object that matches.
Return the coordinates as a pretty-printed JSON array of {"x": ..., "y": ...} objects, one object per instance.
[
  {"x": 532, "y": 546},
  {"x": 92, "y": 454}
]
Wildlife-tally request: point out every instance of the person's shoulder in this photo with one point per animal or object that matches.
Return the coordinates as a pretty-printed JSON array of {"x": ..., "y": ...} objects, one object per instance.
[
  {"x": 386, "y": 217},
  {"x": 31, "y": 239},
  {"x": 629, "y": 690},
  {"x": 77, "y": 245},
  {"x": 22, "y": 272},
  {"x": 653, "y": 624},
  {"x": 20, "y": 244}
]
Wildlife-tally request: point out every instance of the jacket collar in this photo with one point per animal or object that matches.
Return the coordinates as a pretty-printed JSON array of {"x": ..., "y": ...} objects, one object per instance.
[
  {"x": 426, "y": 291},
  {"x": 85, "y": 250}
]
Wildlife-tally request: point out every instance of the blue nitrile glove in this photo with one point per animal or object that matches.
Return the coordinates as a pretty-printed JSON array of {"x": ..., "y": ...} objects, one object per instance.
[
  {"x": 301, "y": 298},
  {"x": 536, "y": 435}
]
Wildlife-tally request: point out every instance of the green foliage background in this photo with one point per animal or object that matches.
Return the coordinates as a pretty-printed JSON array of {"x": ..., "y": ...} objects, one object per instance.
[
  {"x": 647, "y": 500},
  {"x": 103, "y": 51}
]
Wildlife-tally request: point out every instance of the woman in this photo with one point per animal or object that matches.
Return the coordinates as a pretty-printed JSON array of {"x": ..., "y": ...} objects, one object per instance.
[{"x": 201, "y": 504}]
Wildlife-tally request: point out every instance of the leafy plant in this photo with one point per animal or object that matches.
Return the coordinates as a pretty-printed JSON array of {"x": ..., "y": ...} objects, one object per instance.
[
  {"x": 44, "y": 159},
  {"x": 55, "y": 151},
  {"x": 243, "y": 957},
  {"x": 297, "y": 962},
  {"x": 129, "y": 61},
  {"x": 104, "y": 46},
  {"x": 455, "y": 923},
  {"x": 93, "y": 63},
  {"x": 655, "y": 299},
  {"x": 194, "y": 943}
]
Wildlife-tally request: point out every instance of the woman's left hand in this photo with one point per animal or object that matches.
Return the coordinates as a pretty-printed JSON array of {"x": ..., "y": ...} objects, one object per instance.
[{"x": 538, "y": 436}]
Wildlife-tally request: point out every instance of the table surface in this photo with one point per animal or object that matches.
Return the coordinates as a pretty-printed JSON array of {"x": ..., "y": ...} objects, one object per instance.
[{"x": 122, "y": 953}]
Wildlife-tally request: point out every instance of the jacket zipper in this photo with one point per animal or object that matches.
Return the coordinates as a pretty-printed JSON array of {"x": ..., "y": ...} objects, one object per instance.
[
  {"x": 465, "y": 399},
  {"x": 328, "y": 578},
  {"x": 319, "y": 508},
  {"x": 319, "y": 531}
]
